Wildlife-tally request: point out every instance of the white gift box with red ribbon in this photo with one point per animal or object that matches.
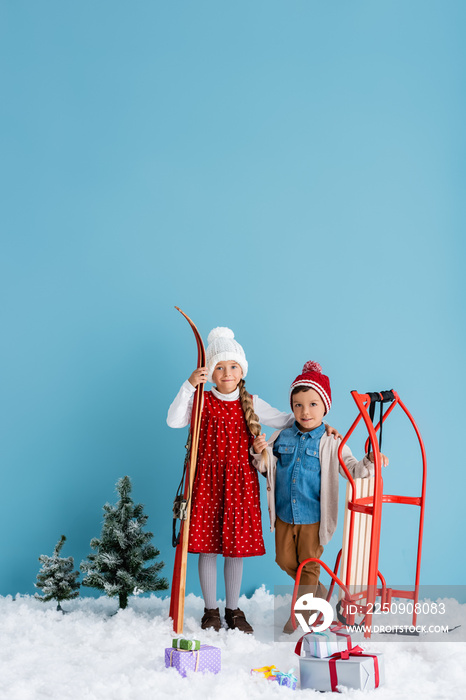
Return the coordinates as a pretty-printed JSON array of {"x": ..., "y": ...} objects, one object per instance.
[
  {"x": 323, "y": 644},
  {"x": 352, "y": 668}
]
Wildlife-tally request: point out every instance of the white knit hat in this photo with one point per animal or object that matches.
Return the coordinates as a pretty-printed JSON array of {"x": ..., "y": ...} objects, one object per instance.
[{"x": 222, "y": 347}]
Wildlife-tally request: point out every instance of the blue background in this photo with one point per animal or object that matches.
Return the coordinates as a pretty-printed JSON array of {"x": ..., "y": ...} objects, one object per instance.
[{"x": 292, "y": 170}]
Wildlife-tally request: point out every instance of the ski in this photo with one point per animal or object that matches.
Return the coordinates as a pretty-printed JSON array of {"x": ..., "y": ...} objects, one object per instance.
[{"x": 178, "y": 588}]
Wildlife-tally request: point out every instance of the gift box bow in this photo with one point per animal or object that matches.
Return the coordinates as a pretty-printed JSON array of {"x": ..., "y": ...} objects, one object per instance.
[
  {"x": 346, "y": 653},
  {"x": 344, "y": 656},
  {"x": 280, "y": 676}
]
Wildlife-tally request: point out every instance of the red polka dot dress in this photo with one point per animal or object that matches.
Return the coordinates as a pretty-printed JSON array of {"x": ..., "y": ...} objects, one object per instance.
[{"x": 225, "y": 513}]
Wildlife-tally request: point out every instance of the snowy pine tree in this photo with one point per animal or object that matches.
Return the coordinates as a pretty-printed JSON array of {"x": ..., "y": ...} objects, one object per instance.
[
  {"x": 56, "y": 579},
  {"x": 117, "y": 566}
]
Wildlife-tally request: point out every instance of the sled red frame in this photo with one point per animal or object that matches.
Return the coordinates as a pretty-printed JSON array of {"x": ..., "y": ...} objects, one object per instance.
[{"x": 372, "y": 505}]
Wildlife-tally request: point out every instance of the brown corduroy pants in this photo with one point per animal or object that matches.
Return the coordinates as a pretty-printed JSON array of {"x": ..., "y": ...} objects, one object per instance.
[{"x": 294, "y": 544}]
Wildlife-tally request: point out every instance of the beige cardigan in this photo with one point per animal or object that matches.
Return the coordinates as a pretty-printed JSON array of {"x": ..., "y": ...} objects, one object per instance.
[{"x": 329, "y": 466}]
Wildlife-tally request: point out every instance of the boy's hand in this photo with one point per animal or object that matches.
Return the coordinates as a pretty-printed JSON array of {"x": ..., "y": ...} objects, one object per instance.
[
  {"x": 199, "y": 376},
  {"x": 384, "y": 459},
  {"x": 259, "y": 444},
  {"x": 333, "y": 431}
]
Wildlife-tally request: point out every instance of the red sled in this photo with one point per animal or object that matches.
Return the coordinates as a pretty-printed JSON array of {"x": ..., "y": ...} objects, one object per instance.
[{"x": 360, "y": 580}]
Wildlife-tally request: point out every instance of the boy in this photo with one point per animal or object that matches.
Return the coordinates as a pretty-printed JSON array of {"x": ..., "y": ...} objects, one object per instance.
[{"x": 302, "y": 477}]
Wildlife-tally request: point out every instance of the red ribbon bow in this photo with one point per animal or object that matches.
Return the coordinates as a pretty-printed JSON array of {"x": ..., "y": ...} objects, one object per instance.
[
  {"x": 344, "y": 656},
  {"x": 346, "y": 653}
]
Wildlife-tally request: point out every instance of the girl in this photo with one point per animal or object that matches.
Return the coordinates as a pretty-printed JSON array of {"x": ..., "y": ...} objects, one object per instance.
[{"x": 225, "y": 506}]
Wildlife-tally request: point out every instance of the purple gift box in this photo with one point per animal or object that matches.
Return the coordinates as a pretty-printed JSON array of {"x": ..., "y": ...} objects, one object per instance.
[
  {"x": 286, "y": 679},
  {"x": 205, "y": 660}
]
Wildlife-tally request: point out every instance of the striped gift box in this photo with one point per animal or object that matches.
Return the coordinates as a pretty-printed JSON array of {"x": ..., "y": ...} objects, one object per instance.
[{"x": 186, "y": 644}]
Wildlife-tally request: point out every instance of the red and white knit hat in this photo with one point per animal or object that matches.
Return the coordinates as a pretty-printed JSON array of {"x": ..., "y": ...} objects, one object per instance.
[{"x": 312, "y": 377}]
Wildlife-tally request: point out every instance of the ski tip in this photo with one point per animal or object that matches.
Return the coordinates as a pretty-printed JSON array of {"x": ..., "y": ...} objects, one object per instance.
[{"x": 183, "y": 314}]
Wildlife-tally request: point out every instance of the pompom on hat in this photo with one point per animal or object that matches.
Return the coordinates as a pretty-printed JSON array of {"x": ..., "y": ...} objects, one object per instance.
[
  {"x": 313, "y": 378},
  {"x": 221, "y": 347}
]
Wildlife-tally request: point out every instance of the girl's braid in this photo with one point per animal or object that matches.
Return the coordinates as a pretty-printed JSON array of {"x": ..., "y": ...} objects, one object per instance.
[{"x": 252, "y": 420}]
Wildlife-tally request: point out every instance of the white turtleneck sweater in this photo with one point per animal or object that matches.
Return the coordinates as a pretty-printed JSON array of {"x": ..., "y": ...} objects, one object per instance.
[{"x": 179, "y": 413}]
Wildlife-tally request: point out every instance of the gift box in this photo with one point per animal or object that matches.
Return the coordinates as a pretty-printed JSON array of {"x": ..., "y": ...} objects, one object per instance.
[
  {"x": 186, "y": 644},
  {"x": 266, "y": 671},
  {"x": 204, "y": 660},
  {"x": 352, "y": 668},
  {"x": 286, "y": 679},
  {"x": 323, "y": 644}
]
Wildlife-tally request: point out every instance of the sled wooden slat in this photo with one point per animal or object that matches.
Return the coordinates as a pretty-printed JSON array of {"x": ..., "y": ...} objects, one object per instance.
[{"x": 359, "y": 565}]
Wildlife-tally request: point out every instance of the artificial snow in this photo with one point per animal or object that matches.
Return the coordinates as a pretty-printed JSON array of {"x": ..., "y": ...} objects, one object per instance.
[{"x": 91, "y": 653}]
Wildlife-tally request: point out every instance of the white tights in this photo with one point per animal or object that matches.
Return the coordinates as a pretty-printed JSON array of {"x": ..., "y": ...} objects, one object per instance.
[{"x": 233, "y": 572}]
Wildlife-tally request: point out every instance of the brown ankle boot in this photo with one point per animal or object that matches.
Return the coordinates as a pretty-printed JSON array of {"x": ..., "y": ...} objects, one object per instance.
[
  {"x": 211, "y": 618},
  {"x": 236, "y": 620},
  {"x": 288, "y": 628}
]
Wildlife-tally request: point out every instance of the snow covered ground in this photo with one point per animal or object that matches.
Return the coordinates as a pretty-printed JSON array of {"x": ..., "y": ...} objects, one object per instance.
[{"x": 93, "y": 654}]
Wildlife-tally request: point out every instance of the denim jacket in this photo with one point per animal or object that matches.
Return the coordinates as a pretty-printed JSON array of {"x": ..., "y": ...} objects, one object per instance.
[{"x": 297, "y": 479}]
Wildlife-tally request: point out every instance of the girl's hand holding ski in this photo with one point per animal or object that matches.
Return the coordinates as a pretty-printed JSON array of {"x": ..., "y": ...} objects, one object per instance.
[{"x": 199, "y": 376}]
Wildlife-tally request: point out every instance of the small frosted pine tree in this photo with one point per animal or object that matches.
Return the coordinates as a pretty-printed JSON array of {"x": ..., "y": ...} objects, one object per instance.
[
  {"x": 56, "y": 579},
  {"x": 117, "y": 566}
]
